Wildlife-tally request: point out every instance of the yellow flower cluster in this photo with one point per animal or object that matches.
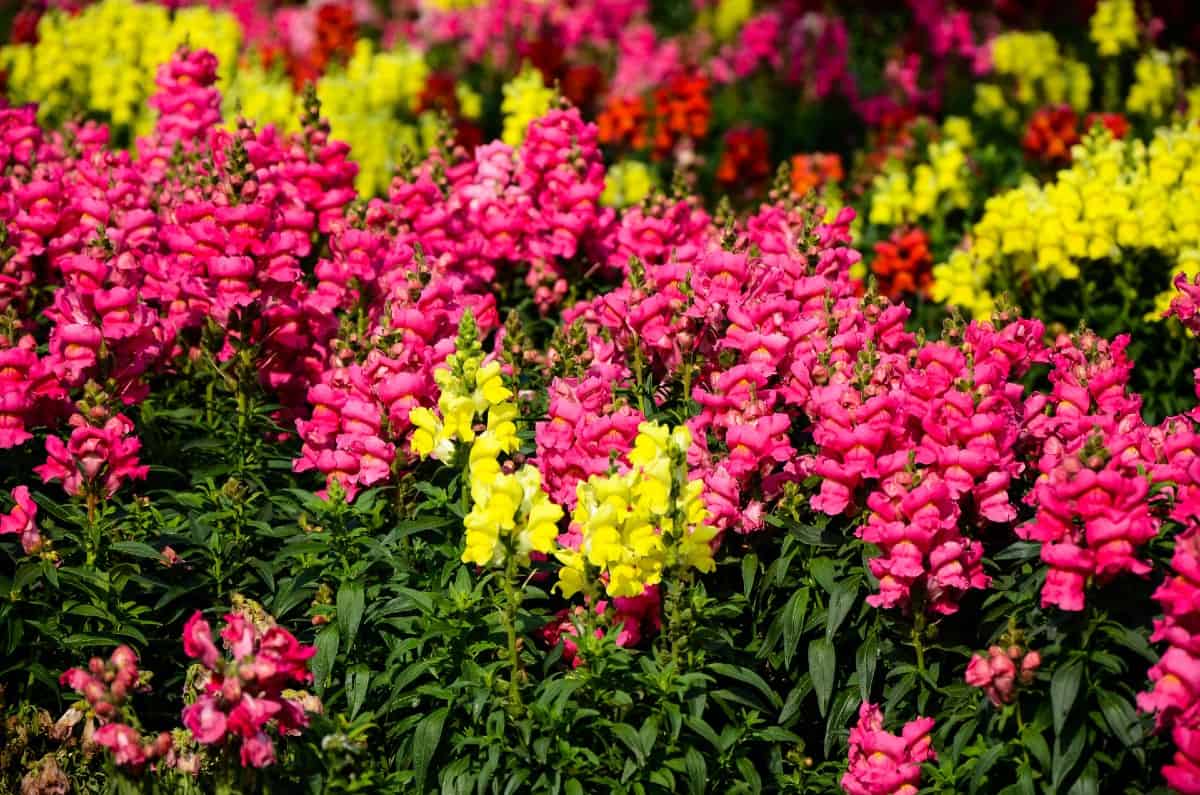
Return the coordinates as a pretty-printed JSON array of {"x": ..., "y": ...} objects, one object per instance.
[
  {"x": 365, "y": 104},
  {"x": 637, "y": 525},
  {"x": 468, "y": 388},
  {"x": 526, "y": 97},
  {"x": 104, "y": 58},
  {"x": 1114, "y": 26},
  {"x": 262, "y": 96},
  {"x": 510, "y": 514},
  {"x": 627, "y": 183},
  {"x": 1116, "y": 196},
  {"x": 1153, "y": 91},
  {"x": 939, "y": 184},
  {"x": 1042, "y": 73},
  {"x": 103, "y": 61},
  {"x": 728, "y": 16}
]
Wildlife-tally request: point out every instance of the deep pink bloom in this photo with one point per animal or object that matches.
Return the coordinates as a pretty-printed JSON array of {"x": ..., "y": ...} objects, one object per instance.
[{"x": 883, "y": 763}]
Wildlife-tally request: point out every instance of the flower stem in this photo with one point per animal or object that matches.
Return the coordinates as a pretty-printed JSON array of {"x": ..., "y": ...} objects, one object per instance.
[
  {"x": 918, "y": 647},
  {"x": 512, "y": 606}
]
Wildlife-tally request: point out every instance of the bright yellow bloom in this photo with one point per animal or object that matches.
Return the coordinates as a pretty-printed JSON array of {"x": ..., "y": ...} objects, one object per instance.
[
  {"x": 469, "y": 391},
  {"x": 103, "y": 60},
  {"x": 1114, "y": 26},
  {"x": 638, "y": 524},
  {"x": 729, "y": 16},
  {"x": 962, "y": 282},
  {"x": 1153, "y": 91},
  {"x": 941, "y": 183},
  {"x": 1117, "y": 196},
  {"x": 510, "y": 515},
  {"x": 627, "y": 182},
  {"x": 1041, "y": 73},
  {"x": 526, "y": 98},
  {"x": 958, "y": 129}
]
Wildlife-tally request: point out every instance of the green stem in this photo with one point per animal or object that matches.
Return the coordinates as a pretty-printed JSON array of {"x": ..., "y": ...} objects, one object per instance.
[
  {"x": 241, "y": 426},
  {"x": 918, "y": 628},
  {"x": 639, "y": 374},
  {"x": 92, "y": 536},
  {"x": 512, "y": 606},
  {"x": 1021, "y": 732}
]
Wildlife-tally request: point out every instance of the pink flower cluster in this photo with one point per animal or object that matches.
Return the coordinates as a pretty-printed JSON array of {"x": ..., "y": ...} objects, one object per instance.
[
  {"x": 1094, "y": 463},
  {"x": 504, "y": 32},
  {"x": 584, "y": 434},
  {"x": 106, "y": 686},
  {"x": 886, "y": 764},
  {"x": 20, "y": 521},
  {"x": 243, "y": 693},
  {"x": 1175, "y": 697},
  {"x": 96, "y": 459},
  {"x": 998, "y": 673},
  {"x": 631, "y": 616},
  {"x": 419, "y": 259}
]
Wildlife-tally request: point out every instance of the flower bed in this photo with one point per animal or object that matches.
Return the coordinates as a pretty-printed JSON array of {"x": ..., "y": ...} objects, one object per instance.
[{"x": 451, "y": 399}]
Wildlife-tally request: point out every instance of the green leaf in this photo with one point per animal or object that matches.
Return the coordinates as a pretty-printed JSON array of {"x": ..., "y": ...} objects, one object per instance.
[
  {"x": 136, "y": 549},
  {"x": 844, "y": 707},
  {"x": 648, "y": 734},
  {"x": 1064, "y": 687},
  {"x": 700, "y": 727},
  {"x": 425, "y": 742},
  {"x": 840, "y": 602},
  {"x": 1065, "y": 758},
  {"x": 628, "y": 735},
  {"x": 749, "y": 775},
  {"x": 327, "y": 643},
  {"x": 1033, "y": 740},
  {"x": 822, "y": 660},
  {"x": 1120, "y": 717},
  {"x": 750, "y": 678},
  {"x": 697, "y": 771},
  {"x": 350, "y": 603},
  {"x": 983, "y": 764},
  {"x": 865, "y": 660},
  {"x": 357, "y": 680},
  {"x": 793, "y": 624},
  {"x": 749, "y": 572}
]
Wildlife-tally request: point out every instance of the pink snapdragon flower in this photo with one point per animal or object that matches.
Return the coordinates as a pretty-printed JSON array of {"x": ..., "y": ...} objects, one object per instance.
[
  {"x": 99, "y": 458},
  {"x": 883, "y": 763},
  {"x": 20, "y": 521},
  {"x": 243, "y": 693},
  {"x": 999, "y": 672}
]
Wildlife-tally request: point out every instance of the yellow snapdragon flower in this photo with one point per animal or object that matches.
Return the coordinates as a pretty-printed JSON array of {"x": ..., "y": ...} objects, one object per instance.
[
  {"x": 1114, "y": 26},
  {"x": 940, "y": 183},
  {"x": 468, "y": 388},
  {"x": 1117, "y": 196},
  {"x": 626, "y": 183},
  {"x": 640, "y": 523},
  {"x": 526, "y": 98},
  {"x": 1153, "y": 91},
  {"x": 1043, "y": 75},
  {"x": 102, "y": 61},
  {"x": 510, "y": 515}
]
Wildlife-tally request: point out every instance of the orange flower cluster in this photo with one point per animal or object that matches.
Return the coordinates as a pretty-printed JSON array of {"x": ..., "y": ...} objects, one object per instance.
[
  {"x": 811, "y": 171},
  {"x": 1054, "y": 130},
  {"x": 1050, "y": 135},
  {"x": 623, "y": 123},
  {"x": 903, "y": 264},
  {"x": 681, "y": 109},
  {"x": 335, "y": 36},
  {"x": 745, "y": 160}
]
